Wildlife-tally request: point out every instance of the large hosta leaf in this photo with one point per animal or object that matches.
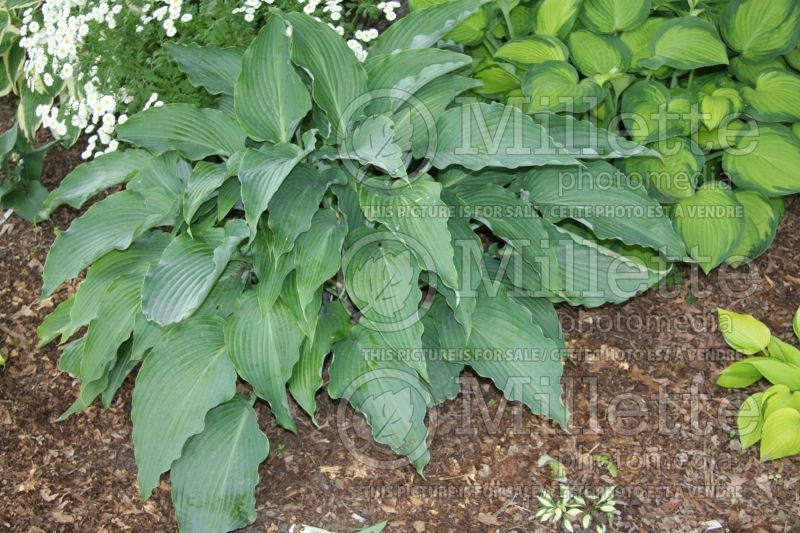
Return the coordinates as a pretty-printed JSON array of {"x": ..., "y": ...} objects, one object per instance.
[
  {"x": 185, "y": 375},
  {"x": 761, "y": 218},
  {"x": 176, "y": 286},
  {"x": 387, "y": 391},
  {"x": 270, "y": 98},
  {"x": 93, "y": 177},
  {"x": 337, "y": 78},
  {"x": 638, "y": 40},
  {"x": 423, "y": 28},
  {"x": 215, "y": 69},
  {"x": 264, "y": 346},
  {"x": 479, "y": 135},
  {"x": 711, "y": 224},
  {"x": 214, "y": 481},
  {"x": 556, "y": 17},
  {"x": 533, "y": 50},
  {"x": 651, "y": 112},
  {"x": 317, "y": 254},
  {"x": 761, "y": 30},
  {"x": 193, "y": 132},
  {"x": 612, "y": 16},
  {"x": 599, "y": 55},
  {"x": 606, "y": 203},
  {"x": 780, "y": 436},
  {"x": 204, "y": 181},
  {"x": 417, "y": 216},
  {"x": 582, "y": 139},
  {"x": 373, "y": 143},
  {"x": 686, "y": 43},
  {"x": 768, "y": 163},
  {"x": 112, "y": 223},
  {"x": 554, "y": 86},
  {"x": 774, "y": 98},
  {"x": 673, "y": 174}
]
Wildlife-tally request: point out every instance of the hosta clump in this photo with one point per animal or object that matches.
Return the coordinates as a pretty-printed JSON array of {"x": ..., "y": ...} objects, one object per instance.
[
  {"x": 712, "y": 86},
  {"x": 321, "y": 206}
]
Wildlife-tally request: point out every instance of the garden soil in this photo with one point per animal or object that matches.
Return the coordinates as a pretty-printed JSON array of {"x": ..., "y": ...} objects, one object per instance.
[{"x": 641, "y": 389}]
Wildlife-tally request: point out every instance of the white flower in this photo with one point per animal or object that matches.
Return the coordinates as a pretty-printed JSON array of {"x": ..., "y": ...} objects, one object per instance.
[
  {"x": 123, "y": 118},
  {"x": 186, "y": 17},
  {"x": 47, "y": 79},
  {"x": 391, "y": 16},
  {"x": 67, "y": 71}
]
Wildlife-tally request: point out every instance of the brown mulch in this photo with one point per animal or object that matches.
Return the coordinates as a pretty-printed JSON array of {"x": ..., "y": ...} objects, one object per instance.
[{"x": 641, "y": 392}]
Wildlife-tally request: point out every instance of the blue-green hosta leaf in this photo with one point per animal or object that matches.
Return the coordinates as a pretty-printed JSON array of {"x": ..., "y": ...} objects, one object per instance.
[
  {"x": 686, "y": 43},
  {"x": 415, "y": 213},
  {"x": 337, "y": 78},
  {"x": 671, "y": 176},
  {"x": 387, "y": 391},
  {"x": 606, "y": 203},
  {"x": 214, "y": 480},
  {"x": 264, "y": 346},
  {"x": 467, "y": 253},
  {"x": 122, "y": 367},
  {"x": 780, "y": 436},
  {"x": 768, "y": 163},
  {"x": 271, "y": 268},
  {"x": 270, "y": 98},
  {"x": 318, "y": 252},
  {"x": 94, "y": 177},
  {"x": 193, "y": 132},
  {"x": 186, "y": 272},
  {"x": 582, "y": 139},
  {"x": 212, "y": 68},
  {"x": 165, "y": 174},
  {"x": 295, "y": 203},
  {"x": 743, "y": 333},
  {"x": 602, "y": 56},
  {"x": 556, "y": 17},
  {"x": 638, "y": 40},
  {"x": 553, "y": 86},
  {"x": 761, "y": 30},
  {"x": 373, "y": 143},
  {"x": 749, "y": 71},
  {"x": 57, "y": 323},
  {"x": 529, "y": 367},
  {"x": 711, "y": 224},
  {"x": 333, "y": 325},
  {"x": 775, "y": 97},
  {"x": 648, "y": 107},
  {"x": 110, "y": 224},
  {"x": 394, "y": 78},
  {"x": 613, "y": 16},
  {"x": 186, "y": 374},
  {"x": 423, "y": 28},
  {"x": 444, "y": 373},
  {"x": 533, "y": 50},
  {"x": 261, "y": 173},
  {"x": 478, "y": 135},
  {"x": 761, "y": 218},
  {"x": 204, "y": 181}
]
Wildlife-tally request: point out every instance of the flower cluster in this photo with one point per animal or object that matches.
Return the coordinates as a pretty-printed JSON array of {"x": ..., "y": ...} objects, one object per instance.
[{"x": 167, "y": 14}]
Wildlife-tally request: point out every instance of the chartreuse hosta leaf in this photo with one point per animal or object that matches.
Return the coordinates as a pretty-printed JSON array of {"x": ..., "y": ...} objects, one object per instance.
[
  {"x": 796, "y": 323},
  {"x": 601, "y": 198},
  {"x": 761, "y": 218},
  {"x": 556, "y": 17},
  {"x": 333, "y": 325},
  {"x": 423, "y": 28},
  {"x": 761, "y": 30},
  {"x": 768, "y": 162},
  {"x": 270, "y": 98},
  {"x": 613, "y": 16},
  {"x": 215, "y": 69},
  {"x": 743, "y": 333},
  {"x": 533, "y": 50},
  {"x": 749, "y": 71},
  {"x": 750, "y": 421},
  {"x": 744, "y": 373},
  {"x": 774, "y": 98},
  {"x": 602, "y": 56},
  {"x": 720, "y": 105},
  {"x": 673, "y": 174},
  {"x": 778, "y": 397},
  {"x": 193, "y": 132},
  {"x": 711, "y": 223},
  {"x": 554, "y": 86},
  {"x": 780, "y": 436},
  {"x": 264, "y": 346},
  {"x": 187, "y": 270},
  {"x": 93, "y": 177},
  {"x": 652, "y": 112},
  {"x": 479, "y": 135},
  {"x": 389, "y": 393},
  {"x": 470, "y": 31},
  {"x": 783, "y": 351},
  {"x": 214, "y": 480},
  {"x": 686, "y": 43},
  {"x": 638, "y": 40},
  {"x": 496, "y": 78},
  {"x": 415, "y": 213},
  {"x": 337, "y": 78},
  {"x": 186, "y": 374}
]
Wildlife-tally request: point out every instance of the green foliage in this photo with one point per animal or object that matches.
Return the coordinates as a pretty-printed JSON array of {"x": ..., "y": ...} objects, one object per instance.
[{"x": 771, "y": 417}]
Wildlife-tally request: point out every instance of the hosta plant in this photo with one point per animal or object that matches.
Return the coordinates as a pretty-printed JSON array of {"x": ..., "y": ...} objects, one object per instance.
[
  {"x": 713, "y": 86},
  {"x": 321, "y": 205},
  {"x": 770, "y": 417}
]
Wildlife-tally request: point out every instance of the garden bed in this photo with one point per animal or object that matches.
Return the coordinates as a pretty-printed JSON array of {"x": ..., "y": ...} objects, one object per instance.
[{"x": 658, "y": 354}]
